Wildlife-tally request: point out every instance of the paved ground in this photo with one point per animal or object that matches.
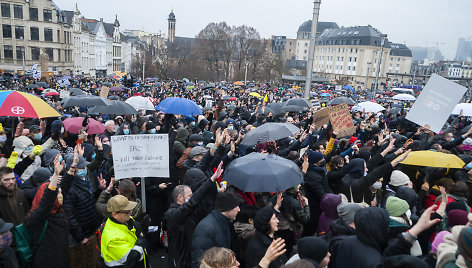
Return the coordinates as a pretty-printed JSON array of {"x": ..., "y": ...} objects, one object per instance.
[{"x": 159, "y": 258}]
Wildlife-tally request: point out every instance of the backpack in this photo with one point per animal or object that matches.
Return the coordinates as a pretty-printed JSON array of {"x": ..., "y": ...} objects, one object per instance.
[{"x": 25, "y": 245}]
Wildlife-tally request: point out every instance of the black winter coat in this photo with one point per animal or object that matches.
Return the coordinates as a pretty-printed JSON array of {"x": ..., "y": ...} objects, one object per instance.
[
  {"x": 338, "y": 231},
  {"x": 316, "y": 186},
  {"x": 212, "y": 231},
  {"x": 181, "y": 223},
  {"x": 257, "y": 248},
  {"x": 79, "y": 205}
]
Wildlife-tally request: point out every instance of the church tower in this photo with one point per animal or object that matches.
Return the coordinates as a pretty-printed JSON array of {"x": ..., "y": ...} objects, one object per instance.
[{"x": 171, "y": 28}]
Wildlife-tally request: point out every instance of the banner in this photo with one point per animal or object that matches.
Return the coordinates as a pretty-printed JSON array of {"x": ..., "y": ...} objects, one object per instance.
[
  {"x": 321, "y": 117},
  {"x": 145, "y": 155},
  {"x": 436, "y": 103},
  {"x": 104, "y": 92},
  {"x": 341, "y": 120}
]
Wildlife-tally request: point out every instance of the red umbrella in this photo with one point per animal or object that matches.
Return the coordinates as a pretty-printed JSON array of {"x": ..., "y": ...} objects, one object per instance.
[
  {"x": 74, "y": 125},
  {"x": 232, "y": 99},
  {"x": 51, "y": 93}
]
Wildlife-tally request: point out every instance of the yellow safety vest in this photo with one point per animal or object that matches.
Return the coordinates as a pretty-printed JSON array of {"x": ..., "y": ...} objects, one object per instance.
[{"x": 117, "y": 242}]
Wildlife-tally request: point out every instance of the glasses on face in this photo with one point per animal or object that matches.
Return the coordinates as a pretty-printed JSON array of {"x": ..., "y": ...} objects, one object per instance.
[{"x": 125, "y": 211}]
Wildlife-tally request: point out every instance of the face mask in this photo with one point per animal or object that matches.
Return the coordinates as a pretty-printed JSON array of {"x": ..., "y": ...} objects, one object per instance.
[
  {"x": 3, "y": 138},
  {"x": 152, "y": 131},
  {"x": 38, "y": 136},
  {"x": 62, "y": 130},
  {"x": 408, "y": 213},
  {"x": 200, "y": 143},
  {"x": 365, "y": 173},
  {"x": 187, "y": 199},
  {"x": 469, "y": 166},
  {"x": 27, "y": 151},
  {"x": 377, "y": 185},
  {"x": 81, "y": 172},
  {"x": 230, "y": 128},
  {"x": 6, "y": 240},
  {"x": 192, "y": 124},
  {"x": 126, "y": 131},
  {"x": 452, "y": 139}
]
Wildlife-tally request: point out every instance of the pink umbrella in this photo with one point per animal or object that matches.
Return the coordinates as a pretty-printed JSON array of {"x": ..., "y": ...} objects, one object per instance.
[
  {"x": 52, "y": 93},
  {"x": 74, "y": 125}
]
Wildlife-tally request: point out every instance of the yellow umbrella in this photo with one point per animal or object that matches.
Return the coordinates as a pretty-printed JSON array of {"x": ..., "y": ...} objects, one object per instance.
[
  {"x": 433, "y": 159},
  {"x": 255, "y": 94}
]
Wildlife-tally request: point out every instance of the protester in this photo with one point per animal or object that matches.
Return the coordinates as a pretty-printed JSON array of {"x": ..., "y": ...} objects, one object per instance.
[{"x": 7, "y": 254}]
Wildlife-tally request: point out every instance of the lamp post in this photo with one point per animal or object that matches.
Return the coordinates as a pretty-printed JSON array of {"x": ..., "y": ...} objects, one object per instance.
[
  {"x": 245, "y": 72},
  {"x": 367, "y": 74},
  {"x": 311, "y": 54},
  {"x": 379, "y": 66}
]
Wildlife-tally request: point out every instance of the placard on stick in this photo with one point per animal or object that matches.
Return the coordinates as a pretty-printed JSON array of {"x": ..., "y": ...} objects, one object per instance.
[
  {"x": 141, "y": 155},
  {"x": 104, "y": 92},
  {"x": 321, "y": 117},
  {"x": 341, "y": 120}
]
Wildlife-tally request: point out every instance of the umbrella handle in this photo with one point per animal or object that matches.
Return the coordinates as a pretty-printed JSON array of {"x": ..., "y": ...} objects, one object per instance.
[{"x": 408, "y": 142}]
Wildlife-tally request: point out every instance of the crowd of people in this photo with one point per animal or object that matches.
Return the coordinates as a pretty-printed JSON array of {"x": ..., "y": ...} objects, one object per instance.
[{"x": 358, "y": 205}]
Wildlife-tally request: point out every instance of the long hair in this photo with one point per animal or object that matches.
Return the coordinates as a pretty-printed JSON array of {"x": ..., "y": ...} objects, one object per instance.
[{"x": 128, "y": 189}]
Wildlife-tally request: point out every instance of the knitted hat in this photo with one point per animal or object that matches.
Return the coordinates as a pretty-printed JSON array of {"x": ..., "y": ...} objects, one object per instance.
[
  {"x": 396, "y": 206},
  {"x": 226, "y": 201},
  {"x": 262, "y": 218},
  {"x": 312, "y": 248},
  {"x": 314, "y": 157},
  {"x": 49, "y": 156},
  {"x": 399, "y": 178},
  {"x": 457, "y": 205},
  {"x": 438, "y": 240},
  {"x": 347, "y": 211},
  {"x": 464, "y": 243},
  {"x": 457, "y": 217},
  {"x": 41, "y": 175}
]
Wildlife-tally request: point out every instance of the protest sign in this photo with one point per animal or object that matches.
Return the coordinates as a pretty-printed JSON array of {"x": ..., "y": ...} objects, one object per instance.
[
  {"x": 341, "y": 120},
  {"x": 141, "y": 155},
  {"x": 104, "y": 92},
  {"x": 64, "y": 94},
  {"x": 321, "y": 117},
  {"x": 36, "y": 74},
  {"x": 436, "y": 103}
]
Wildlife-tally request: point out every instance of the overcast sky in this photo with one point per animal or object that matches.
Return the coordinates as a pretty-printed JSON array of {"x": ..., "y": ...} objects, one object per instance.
[{"x": 413, "y": 22}]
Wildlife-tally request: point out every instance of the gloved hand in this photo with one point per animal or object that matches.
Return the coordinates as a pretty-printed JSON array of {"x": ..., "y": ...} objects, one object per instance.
[
  {"x": 37, "y": 150},
  {"x": 12, "y": 159}
]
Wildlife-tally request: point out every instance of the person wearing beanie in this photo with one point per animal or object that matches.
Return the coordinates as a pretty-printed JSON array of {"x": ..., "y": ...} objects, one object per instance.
[
  {"x": 457, "y": 217},
  {"x": 329, "y": 204},
  {"x": 400, "y": 221},
  {"x": 216, "y": 229},
  {"x": 347, "y": 211},
  {"x": 438, "y": 239},
  {"x": 266, "y": 224},
  {"x": 316, "y": 186},
  {"x": 397, "y": 179},
  {"x": 31, "y": 185},
  {"x": 315, "y": 250}
]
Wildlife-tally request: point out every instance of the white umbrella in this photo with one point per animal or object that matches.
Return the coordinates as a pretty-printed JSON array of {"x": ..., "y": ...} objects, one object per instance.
[
  {"x": 140, "y": 103},
  {"x": 404, "y": 97},
  {"x": 465, "y": 107},
  {"x": 370, "y": 107}
]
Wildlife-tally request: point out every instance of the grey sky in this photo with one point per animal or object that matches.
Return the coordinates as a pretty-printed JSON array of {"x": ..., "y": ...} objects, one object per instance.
[{"x": 414, "y": 22}]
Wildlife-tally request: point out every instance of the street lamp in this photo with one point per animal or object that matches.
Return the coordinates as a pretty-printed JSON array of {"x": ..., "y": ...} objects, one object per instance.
[
  {"x": 367, "y": 74},
  {"x": 383, "y": 37},
  {"x": 245, "y": 73},
  {"x": 311, "y": 54}
]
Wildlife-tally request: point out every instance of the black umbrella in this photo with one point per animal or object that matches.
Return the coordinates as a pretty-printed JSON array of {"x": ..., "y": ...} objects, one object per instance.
[
  {"x": 300, "y": 102},
  {"x": 107, "y": 84},
  {"x": 113, "y": 97},
  {"x": 32, "y": 86},
  {"x": 76, "y": 92},
  {"x": 341, "y": 100},
  {"x": 231, "y": 107},
  {"x": 85, "y": 100},
  {"x": 292, "y": 108},
  {"x": 276, "y": 107},
  {"x": 42, "y": 84},
  {"x": 116, "y": 107},
  {"x": 269, "y": 132},
  {"x": 257, "y": 172}
]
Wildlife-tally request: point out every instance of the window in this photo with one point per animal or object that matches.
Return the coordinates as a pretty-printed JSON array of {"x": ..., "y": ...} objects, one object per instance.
[
  {"x": 6, "y": 10},
  {"x": 305, "y": 51},
  {"x": 59, "y": 55},
  {"x": 6, "y": 29},
  {"x": 348, "y": 68},
  {"x": 19, "y": 32},
  {"x": 355, "y": 59},
  {"x": 18, "y": 11},
  {"x": 48, "y": 34},
  {"x": 47, "y": 15},
  {"x": 35, "y": 53},
  {"x": 20, "y": 51},
  {"x": 353, "y": 68},
  {"x": 34, "y": 32},
  {"x": 306, "y": 44},
  {"x": 8, "y": 52},
  {"x": 350, "y": 59},
  {"x": 33, "y": 12},
  {"x": 50, "y": 53}
]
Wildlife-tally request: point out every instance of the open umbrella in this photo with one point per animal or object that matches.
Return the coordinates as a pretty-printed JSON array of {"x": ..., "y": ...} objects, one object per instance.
[
  {"x": 269, "y": 132},
  {"x": 114, "y": 97},
  {"x": 51, "y": 93},
  {"x": 300, "y": 102},
  {"x": 140, "y": 103},
  {"x": 116, "y": 107},
  {"x": 180, "y": 106},
  {"x": 292, "y": 108},
  {"x": 74, "y": 125},
  {"x": 369, "y": 107},
  {"x": 257, "y": 172},
  {"x": 32, "y": 86},
  {"x": 348, "y": 87},
  {"x": 107, "y": 84},
  {"x": 255, "y": 94},
  {"x": 16, "y": 103},
  {"x": 325, "y": 95},
  {"x": 433, "y": 159},
  {"x": 47, "y": 90},
  {"x": 42, "y": 84},
  {"x": 238, "y": 83},
  {"x": 404, "y": 97},
  {"x": 211, "y": 85},
  {"x": 276, "y": 107},
  {"x": 85, "y": 100},
  {"x": 116, "y": 89},
  {"x": 76, "y": 92},
  {"x": 340, "y": 100}
]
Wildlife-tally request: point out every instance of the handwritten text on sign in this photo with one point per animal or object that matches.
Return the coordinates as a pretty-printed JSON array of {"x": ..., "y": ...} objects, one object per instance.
[
  {"x": 341, "y": 120},
  {"x": 141, "y": 155}
]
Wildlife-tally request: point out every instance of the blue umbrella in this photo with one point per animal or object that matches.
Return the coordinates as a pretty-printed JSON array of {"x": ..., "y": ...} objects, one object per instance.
[
  {"x": 181, "y": 106},
  {"x": 325, "y": 95},
  {"x": 348, "y": 87}
]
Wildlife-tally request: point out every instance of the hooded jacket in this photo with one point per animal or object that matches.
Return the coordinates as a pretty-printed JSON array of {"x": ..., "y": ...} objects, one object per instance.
[
  {"x": 338, "y": 231},
  {"x": 180, "y": 142},
  {"x": 13, "y": 205},
  {"x": 329, "y": 205}
]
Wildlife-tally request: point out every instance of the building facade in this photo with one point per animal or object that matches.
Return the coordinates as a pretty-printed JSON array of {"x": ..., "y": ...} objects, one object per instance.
[
  {"x": 464, "y": 49},
  {"x": 171, "y": 27},
  {"x": 30, "y": 28}
]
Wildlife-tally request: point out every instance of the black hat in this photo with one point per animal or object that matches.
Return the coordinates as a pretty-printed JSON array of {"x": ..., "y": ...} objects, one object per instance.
[
  {"x": 41, "y": 174},
  {"x": 34, "y": 128},
  {"x": 150, "y": 125},
  {"x": 222, "y": 115},
  {"x": 226, "y": 201},
  {"x": 262, "y": 218},
  {"x": 5, "y": 226},
  {"x": 195, "y": 137},
  {"x": 312, "y": 248}
]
